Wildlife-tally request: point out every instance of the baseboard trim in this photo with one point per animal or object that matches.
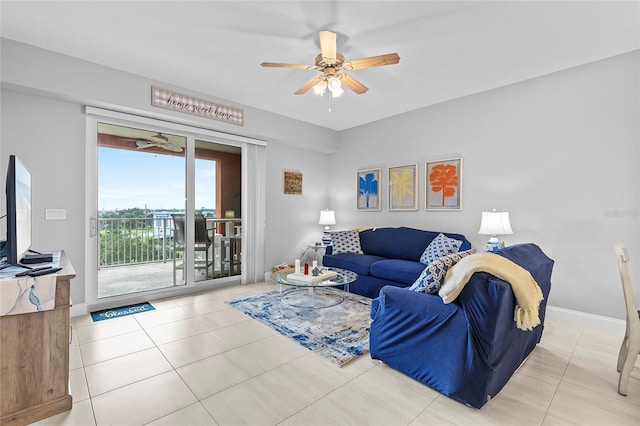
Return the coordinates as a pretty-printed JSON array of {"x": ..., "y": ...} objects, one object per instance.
[
  {"x": 78, "y": 309},
  {"x": 585, "y": 319},
  {"x": 553, "y": 312}
]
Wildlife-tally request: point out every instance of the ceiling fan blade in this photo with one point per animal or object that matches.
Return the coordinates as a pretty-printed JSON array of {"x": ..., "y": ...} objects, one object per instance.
[
  {"x": 372, "y": 61},
  {"x": 173, "y": 148},
  {"x": 279, "y": 65},
  {"x": 308, "y": 85},
  {"x": 328, "y": 44},
  {"x": 142, "y": 144},
  {"x": 354, "y": 84}
]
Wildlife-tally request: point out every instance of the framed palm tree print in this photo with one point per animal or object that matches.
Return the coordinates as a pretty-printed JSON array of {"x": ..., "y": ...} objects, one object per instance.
[
  {"x": 403, "y": 187},
  {"x": 444, "y": 184},
  {"x": 369, "y": 190}
]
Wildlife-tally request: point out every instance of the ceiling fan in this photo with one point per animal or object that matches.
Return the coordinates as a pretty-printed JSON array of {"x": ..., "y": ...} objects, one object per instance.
[
  {"x": 332, "y": 65},
  {"x": 159, "y": 140}
]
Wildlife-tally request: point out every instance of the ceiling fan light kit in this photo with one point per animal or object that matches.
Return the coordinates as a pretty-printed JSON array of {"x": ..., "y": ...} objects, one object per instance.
[
  {"x": 332, "y": 83},
  {"x": 332, "y": 65}
]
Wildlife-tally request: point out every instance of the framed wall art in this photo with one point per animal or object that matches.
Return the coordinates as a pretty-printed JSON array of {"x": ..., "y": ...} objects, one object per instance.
[
  {"x": 444, "y": 184},
  {"x": 368, "y": 187},
  {"x": 293, "y": 183},
  {"x": 403, "y": 187}
]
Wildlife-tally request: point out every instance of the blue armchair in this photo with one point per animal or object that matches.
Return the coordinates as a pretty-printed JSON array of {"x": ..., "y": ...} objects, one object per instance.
[{"x": 467, "y": 349}]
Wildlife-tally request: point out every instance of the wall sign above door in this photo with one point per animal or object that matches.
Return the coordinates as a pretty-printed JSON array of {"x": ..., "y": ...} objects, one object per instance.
[{"x": 165, "y": 98}]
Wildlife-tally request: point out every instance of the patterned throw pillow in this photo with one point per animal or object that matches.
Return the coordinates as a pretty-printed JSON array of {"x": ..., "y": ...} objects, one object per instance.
[
  {"x": 433, "y": 275},
  {"x": 440, "y": 246},
  {"x": 346, "y": 242}
]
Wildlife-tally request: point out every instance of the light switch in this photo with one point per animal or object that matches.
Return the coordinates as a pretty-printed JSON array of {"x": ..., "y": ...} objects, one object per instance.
[{"x": 55, "y": 214}]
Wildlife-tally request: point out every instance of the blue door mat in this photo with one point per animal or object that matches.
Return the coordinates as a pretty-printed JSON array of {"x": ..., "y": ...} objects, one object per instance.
[{"x": 121, "y": 311}]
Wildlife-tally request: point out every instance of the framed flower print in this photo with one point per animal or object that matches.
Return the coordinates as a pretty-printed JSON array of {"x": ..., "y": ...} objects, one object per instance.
[
  {"x": 403, "y": 187},
  {"x": 444, "y": 184},
  {"x": 368, "y": 188}
]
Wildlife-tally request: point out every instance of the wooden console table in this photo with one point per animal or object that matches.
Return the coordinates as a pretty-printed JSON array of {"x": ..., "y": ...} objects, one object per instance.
[{"x": 34, "y": 358}]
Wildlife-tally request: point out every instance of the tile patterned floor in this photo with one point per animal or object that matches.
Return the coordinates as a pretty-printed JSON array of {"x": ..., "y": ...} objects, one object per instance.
[{"x": 195, "y": 361}]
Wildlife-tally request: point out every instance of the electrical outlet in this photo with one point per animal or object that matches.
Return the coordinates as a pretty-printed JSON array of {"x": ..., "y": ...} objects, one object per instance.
[{"x": 55, "y": 214}]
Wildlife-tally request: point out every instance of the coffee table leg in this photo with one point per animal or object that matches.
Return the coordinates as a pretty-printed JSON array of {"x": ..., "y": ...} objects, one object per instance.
[{"x": 311, "y": 301}]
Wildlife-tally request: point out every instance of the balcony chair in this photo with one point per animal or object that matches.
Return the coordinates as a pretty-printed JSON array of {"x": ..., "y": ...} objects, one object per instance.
[
  {"x": 231, "y": 253},
  {"x": 630, "y": 348},
  {"x": 203, "y": 243}
]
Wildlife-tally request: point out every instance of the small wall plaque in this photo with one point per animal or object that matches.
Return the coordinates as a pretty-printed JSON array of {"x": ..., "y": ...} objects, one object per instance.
[{"x": 293, "y": 183}]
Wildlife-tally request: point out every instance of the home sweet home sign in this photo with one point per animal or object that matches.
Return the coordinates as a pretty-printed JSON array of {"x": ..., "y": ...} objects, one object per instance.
[{"x": 165, "y": 98}]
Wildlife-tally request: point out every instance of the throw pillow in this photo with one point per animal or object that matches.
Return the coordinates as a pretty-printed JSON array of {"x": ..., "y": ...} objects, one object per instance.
[
  {"x": 346, "y": 242},
  {"x": 430, "y": 280},
  {"x": 440, "y": 246}
]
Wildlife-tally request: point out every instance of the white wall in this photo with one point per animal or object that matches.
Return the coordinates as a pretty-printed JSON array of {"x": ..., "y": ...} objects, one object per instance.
[
  {"x": 42, "y": 121},
  {"x": 48, "y": 136},
  {"x": 560, "y": 153},
  {"x": 293, "y": 219}
]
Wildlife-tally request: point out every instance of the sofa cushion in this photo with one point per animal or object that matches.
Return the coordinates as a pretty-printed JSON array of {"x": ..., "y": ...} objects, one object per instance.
[
  {"x": 346, "y": 242},
  {"x": 398, "y": 270},
  {"x": 401, "y": 243},
  {"x": 430, "y": 280},
  {"x": 358, "y": 263},
  {"x": 440, "y": 246}
]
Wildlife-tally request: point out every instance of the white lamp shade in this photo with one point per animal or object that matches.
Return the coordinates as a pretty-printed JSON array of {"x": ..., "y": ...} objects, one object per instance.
[
  {"x": 327, "y": 217},
  {"x": 495, "y": 223}
]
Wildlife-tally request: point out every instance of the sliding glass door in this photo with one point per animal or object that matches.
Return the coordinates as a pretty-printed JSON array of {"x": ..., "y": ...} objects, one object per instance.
[
  {"x": 153, "y": 231},
  {"x": 218, "y": 198},
  {"x": 141, "y": 191},
  {"x": 150, "y": 186}
]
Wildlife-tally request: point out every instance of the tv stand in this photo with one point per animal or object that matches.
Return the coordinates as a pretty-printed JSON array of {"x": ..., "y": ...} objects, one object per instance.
[{"x": 34, "y": 358}]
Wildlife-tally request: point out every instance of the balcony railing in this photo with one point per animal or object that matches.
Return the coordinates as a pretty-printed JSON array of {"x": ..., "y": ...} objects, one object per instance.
[
  {"x": 132, "y": 241},
  {"x": 129, "y": 241}
]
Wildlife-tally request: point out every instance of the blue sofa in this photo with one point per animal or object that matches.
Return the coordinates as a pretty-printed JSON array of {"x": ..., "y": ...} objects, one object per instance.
[
  {"x": 391, "y": 257},
  {"x": 467, "y": 349}
]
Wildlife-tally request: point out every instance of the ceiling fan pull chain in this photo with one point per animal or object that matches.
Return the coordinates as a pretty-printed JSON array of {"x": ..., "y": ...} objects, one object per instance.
[{"x": 330, "y": 100}]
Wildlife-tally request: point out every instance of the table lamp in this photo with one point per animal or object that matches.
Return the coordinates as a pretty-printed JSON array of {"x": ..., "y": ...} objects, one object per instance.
[
  {"x": 495, "y": 223},
  {"x": 327, "y": 218}
]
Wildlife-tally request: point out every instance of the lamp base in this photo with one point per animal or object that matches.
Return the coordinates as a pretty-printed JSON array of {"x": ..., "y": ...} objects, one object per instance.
[
  {"x": 326, "y": 235},
  {"x": 494, "y": 244}
]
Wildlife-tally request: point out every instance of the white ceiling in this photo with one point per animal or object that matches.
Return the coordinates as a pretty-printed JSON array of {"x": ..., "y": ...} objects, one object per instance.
[{"x": 448, "y": 49}]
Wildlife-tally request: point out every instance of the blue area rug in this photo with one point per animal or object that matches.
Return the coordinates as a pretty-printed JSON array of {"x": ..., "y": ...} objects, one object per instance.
[
  {"x": 337, "y": 334},
  {"x": 121, "y": 311}
]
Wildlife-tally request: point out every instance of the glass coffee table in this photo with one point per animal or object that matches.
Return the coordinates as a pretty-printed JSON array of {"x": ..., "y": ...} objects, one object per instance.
[{"x": 319, "y": 295}]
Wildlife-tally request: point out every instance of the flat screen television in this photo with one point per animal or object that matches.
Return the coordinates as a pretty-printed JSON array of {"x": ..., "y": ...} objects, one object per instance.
[{"x": 18, "y": 210}]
